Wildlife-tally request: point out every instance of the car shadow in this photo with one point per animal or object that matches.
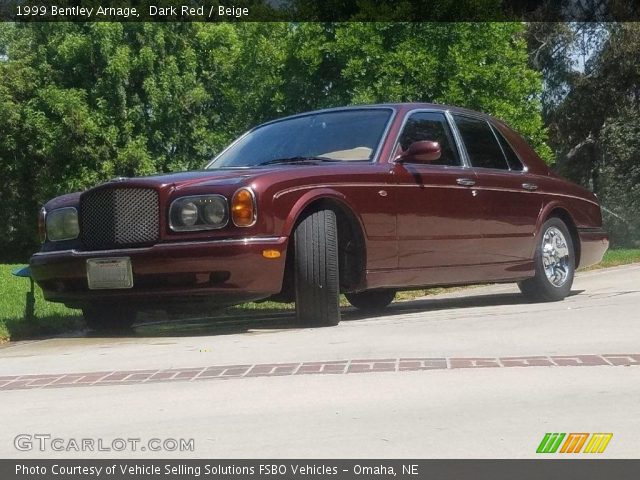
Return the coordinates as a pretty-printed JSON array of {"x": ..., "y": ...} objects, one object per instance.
[
  {"x": 437, "y": 304},
  {"x": 254, "y": 321}
]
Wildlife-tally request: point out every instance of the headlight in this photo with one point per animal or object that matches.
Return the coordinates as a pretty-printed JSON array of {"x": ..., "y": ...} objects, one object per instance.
[
  {"x": 189, "y": 214},
  {"x": 243, "y": 208},
  {"x": 199, "y": 212},
  {"x": 62, "y": 224}
]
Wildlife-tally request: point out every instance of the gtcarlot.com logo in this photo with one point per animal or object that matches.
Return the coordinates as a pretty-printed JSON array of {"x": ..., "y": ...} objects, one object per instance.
[{"x": 44, "y": 442}]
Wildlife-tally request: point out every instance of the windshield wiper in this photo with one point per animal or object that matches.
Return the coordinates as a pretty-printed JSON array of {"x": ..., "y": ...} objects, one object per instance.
[{"x": 298, "y": 159}]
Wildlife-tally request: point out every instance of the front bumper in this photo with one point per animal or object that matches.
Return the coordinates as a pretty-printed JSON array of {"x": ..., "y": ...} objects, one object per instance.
[{"x": 222, "y": 272}]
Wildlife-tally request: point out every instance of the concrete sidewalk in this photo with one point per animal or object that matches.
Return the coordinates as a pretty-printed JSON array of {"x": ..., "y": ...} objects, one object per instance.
[
  {"x": 600, "y": 317},
  {"x": 369, "y": 406},
  {"x": 479, "y": 413}
]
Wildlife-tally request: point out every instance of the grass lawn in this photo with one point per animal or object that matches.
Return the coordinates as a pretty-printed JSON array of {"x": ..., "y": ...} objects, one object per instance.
[
  {"x": 52, "y": 318},
  {"x": 619, "y": 256}
]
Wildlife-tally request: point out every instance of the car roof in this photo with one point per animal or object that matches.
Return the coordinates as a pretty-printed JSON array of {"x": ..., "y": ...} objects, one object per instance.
[
  {"x": 533, "y": 162},
  {"x": 399, "y": 107}
]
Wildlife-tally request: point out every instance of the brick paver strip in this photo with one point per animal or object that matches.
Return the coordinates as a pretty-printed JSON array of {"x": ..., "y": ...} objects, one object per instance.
[
  {"x": 332, "y": 367},
  {"x": 210, "y": 374},
  {"x": 68, "y": 379},
  {"x": 138, "y": 376},
  {"x": 17, "y": 384},
  {"x": 309, "y": 369},
  {"x": 90, "y": 378},
  {"x": 160, "y": 375}
]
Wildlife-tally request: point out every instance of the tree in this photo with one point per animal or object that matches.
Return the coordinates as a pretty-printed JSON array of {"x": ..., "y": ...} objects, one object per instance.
[
  {"x": 593, "y": 116},
  {"x": 82, "y": 103}
]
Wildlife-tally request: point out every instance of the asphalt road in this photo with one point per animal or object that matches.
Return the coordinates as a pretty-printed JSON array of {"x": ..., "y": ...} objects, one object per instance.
[{"x": 479, "y": 373}]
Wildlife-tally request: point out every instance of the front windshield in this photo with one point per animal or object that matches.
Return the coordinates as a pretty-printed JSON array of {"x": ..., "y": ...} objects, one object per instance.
[{"x": 346, "y": 135}]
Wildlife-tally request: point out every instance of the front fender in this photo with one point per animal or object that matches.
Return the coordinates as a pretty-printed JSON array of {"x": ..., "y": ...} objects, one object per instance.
[{"x": 306, "y": 199}]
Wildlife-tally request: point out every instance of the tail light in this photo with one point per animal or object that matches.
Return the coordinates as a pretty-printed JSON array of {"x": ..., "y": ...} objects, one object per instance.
[{"x": 42, "y": 229}]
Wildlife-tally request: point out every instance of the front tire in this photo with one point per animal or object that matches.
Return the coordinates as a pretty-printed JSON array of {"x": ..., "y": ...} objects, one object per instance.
[
  {"x": 109, "y": 319},
  {"x": 371, "y": 300},
  {"x": 554, "y": 264},
  {"x": 316, "y": 278}
]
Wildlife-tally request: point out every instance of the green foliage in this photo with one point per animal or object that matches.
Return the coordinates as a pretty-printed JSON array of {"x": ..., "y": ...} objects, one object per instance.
[
  {"x": 449, "y": 63},
  {"x": 620, "y": 177},
  {"x": 82, "y": 103},
  {"x": 593, "y": 113}
]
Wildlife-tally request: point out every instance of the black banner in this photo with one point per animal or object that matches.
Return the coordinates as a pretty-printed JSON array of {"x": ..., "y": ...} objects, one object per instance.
[
  {"x": 582, "y": 469},
  {"x": 319, "y": 11}
]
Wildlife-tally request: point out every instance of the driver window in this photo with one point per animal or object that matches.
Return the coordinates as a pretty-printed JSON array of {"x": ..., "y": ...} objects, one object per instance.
[{"x": 430, "y": 126}]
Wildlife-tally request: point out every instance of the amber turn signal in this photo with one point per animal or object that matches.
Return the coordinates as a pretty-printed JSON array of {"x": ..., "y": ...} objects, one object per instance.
[
  {"x": 243, "y": 208},
  {"x": 270, "y": 253}
]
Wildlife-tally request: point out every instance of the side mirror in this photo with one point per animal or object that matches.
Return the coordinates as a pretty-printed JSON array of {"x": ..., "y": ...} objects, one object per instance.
[{"x": 423, "y": 151}]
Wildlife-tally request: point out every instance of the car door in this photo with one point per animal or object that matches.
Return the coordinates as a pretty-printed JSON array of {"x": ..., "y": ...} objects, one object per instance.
[
  {"x": 506, "y": 192},
  {"x": 436, "y": 206}
]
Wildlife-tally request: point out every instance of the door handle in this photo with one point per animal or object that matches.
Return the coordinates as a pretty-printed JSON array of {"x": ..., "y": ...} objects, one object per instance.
[
  {"x": 467, "y": 182},
  {"x": 530, "y": 186}
]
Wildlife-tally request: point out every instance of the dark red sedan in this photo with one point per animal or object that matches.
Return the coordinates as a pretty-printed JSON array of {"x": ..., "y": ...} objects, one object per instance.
[{"x": 364, "y": 201}]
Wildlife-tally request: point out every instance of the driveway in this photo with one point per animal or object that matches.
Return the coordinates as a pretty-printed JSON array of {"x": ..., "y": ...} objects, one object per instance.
[{"x": 476, "y": 373}]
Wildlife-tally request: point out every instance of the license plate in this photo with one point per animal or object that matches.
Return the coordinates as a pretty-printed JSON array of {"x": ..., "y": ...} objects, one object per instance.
[{"x": 105, "y": 273}]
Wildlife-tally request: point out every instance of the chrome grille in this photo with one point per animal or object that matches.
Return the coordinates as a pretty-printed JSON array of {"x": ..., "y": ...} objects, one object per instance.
[{"x": 119, "y": 217}]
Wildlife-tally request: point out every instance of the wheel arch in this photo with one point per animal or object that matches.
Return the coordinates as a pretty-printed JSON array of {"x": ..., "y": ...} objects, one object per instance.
[{"x": 352, "y": 249}]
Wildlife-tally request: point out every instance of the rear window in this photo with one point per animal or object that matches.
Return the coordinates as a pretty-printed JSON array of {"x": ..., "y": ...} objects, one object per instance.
[
  {"x": 513, "y": 160},
  {"x": 481, "y": 144}
]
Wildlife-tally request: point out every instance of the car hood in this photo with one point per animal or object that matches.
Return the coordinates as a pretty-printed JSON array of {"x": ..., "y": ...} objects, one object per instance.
[
  {"x": 232, "y": 177},
  {"x": 172, "y": 181},
  {"x": 229, "y": 176},
  {"x": 197, "y": 177}
]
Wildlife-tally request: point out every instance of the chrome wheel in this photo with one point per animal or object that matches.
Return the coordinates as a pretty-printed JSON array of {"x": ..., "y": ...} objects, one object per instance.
[
  {"x": 555, "y": 257},
  {"x": 554, "y": 264}
]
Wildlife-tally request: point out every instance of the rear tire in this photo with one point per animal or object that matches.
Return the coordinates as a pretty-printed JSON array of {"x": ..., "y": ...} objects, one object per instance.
[
  {"x": 316, "y": 278},
  {"x": 554, "y": 264},
  {"x": 371, "y": 300},
  {"x": 109, "y": 319}
]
